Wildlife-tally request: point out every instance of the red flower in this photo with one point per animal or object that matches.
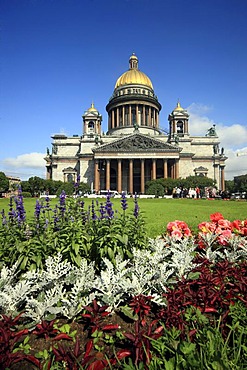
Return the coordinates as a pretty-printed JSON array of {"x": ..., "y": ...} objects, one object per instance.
[
  {"x": 215, "y": 217},
  {"x": 178, "y": 229}
]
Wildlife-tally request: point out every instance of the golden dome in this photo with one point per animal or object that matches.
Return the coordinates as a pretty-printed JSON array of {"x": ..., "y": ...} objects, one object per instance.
[
  {"x": 92, "y": 108},
  {"x": 178, "y": 107},
  {"x": 133, "y": 75}
]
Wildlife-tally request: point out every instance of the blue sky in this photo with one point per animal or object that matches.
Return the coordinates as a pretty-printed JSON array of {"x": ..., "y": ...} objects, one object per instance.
[{"x": 57, "y": 56}]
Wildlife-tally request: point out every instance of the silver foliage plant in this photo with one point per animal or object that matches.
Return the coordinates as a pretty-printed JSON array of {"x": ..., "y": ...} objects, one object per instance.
[
  {"x": 64, "y": 289},
  {"x": 235, "y": 250}
]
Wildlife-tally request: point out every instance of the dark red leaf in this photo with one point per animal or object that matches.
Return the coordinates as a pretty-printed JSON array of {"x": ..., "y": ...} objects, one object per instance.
[
  {"x": 123, "y": 353},
  {"x": 110, "y": 327},
  {"x": 62, "y": 336}
]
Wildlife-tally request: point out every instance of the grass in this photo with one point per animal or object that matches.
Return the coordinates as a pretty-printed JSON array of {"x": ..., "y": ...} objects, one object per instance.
[{"x": 158, "y": 212}]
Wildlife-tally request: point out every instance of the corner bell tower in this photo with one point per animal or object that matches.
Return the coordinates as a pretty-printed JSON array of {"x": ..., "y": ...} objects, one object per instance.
[
  {"x": 179, "y": 122},
  {"x": 92, "y": 122}
]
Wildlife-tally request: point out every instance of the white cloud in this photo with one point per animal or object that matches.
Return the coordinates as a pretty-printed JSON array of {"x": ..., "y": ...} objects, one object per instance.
[
  {"x": 24, "y": 165},
  {"x": 232, "y": 138},
  {"x": 235, "y": 165},
  {"x": 30, "y": 160}
]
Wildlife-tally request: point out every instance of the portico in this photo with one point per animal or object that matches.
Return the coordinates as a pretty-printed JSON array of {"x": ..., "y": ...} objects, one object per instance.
[{"x": 146, "y": 159}]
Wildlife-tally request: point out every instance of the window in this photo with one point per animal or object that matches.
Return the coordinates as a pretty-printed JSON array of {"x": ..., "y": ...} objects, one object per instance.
[
  {"x": 70, "y": 177},
  {"x": 180, "y": 127}
]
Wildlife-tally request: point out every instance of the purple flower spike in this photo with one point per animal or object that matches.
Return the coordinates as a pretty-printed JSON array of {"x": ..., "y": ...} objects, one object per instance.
[
  {"x": 62, "y": 198},
  {"x": 55, "y": 216},
  {"x": 38, "y": 208},
  {"x": 20, "y": 211},
  {"x": 47, "y": 199},
  {"x": 124, "y": 203},
  {"x": 108, "y": 206},
  {"x": 136, "y": 209},
  {"x": 102, "y": 211},
  {"x": 94, "y": 216}
]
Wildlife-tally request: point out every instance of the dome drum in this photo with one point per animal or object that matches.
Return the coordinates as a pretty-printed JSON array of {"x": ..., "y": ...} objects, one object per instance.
[{"x": 136, "y": 99}]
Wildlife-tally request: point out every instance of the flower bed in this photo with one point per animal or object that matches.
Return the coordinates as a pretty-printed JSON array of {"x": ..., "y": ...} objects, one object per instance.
[{"x": 87, "y": 289}]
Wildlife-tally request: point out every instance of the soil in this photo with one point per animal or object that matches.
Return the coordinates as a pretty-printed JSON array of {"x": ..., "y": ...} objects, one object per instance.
[{"x": 38, "y": 344}]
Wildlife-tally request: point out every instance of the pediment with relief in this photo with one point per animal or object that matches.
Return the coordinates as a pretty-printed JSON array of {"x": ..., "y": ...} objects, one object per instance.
[{"x": 137, "y": 143}]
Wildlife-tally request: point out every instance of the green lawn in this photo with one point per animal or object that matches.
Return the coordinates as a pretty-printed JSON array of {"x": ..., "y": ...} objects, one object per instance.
[{"x": 158, "y": 212}]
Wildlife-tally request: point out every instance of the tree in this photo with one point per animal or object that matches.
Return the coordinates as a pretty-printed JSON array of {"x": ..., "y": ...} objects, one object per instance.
[
  {"x": 156, "y": 189},
  {"x": 68, "y": 187},
  {"x": 84, "y": 188},
  {"x": 197, "y": 181},
  {"x": 167, "y": 184},
  {"x": 25, "y": 186},
  {"x": 240, "y": 183},
  {"x": 4, "y": 183},
  {"x": 229, "y": 185},
  {"x": 37, "y": 185},
  {"x": 51, "y": 186}
]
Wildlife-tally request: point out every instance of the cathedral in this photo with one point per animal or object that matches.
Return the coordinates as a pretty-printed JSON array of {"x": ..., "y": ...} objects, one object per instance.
[{"x": 134, "y": 150}]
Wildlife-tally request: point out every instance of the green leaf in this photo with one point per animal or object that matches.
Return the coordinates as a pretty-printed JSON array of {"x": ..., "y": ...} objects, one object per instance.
[
  {"x": 170, "y": 365},
  {"x": 127, "y": 311},
  {"x": 110, "y": 253},
  {"x": 187, "y": 348},
  {"x": 194, "y": 275},
  {"x": 123, "y": 238}
]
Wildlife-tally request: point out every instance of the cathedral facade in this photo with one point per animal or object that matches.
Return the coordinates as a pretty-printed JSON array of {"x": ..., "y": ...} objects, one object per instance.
[{"x": 134, "y": 150}]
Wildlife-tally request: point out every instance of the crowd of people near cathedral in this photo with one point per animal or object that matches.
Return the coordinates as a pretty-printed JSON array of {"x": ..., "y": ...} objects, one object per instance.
[{"x": 195, "y": 193}]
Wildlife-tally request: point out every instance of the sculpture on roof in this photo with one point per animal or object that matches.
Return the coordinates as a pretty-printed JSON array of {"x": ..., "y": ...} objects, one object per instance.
[{"x": 211, "y": 131}]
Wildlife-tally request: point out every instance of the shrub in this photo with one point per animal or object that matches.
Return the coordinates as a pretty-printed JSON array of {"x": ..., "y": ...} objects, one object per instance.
[
  {"x": 26, "y": 194},
  {"x": 156, "y": 189}
]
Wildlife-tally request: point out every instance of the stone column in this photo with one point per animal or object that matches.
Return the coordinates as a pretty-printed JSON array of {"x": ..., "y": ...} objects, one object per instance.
[
  {"x": 154, "y": 169},
  {"x": 142, "y": 176},
  {"x": 222, "y": 178},
  {"x": 172, "y": 170},
  {"x": 96, "y": 176},
  {"x": 130, "y": 115},
  {"x": 119, "y": 176},
  {"x": 176, "y": 168},
  {"x": 112, "y": 118},
  {"x": 186, "y": 127},
  {"x": 109, "y": 121},
  {"x": 174, "y": 127},
  {"x": 165, "y": 168},
  {"x": 123, "y": 116},
  {"x": 108, "y": 174},
  {"x": 131, "y": 176},
  {"x": 149, "y": 116},
  {"x": 117, "y": 123},
  {"x": 144, "y": 115}
]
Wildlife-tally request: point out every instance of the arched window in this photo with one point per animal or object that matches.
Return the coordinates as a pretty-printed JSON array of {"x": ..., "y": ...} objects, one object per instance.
[
  {"x": 180, "y": 127},
  {"x": 91, "y": 125}
]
